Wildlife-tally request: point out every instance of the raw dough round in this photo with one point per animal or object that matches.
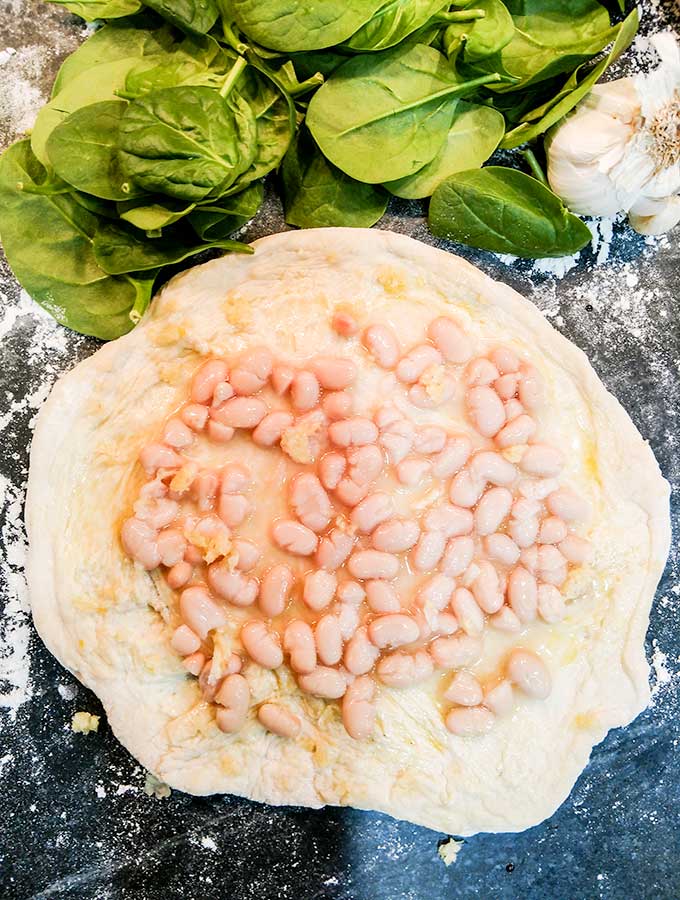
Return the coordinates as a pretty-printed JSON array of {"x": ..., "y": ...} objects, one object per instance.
[{"x": 110, "y": 622}]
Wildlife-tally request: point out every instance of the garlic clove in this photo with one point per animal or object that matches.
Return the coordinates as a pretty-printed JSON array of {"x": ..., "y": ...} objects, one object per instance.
[{"x": 666, "y": 217}]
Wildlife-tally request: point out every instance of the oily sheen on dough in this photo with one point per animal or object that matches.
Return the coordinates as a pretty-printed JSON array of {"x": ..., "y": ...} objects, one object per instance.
[{"x": 109, "y": 622}]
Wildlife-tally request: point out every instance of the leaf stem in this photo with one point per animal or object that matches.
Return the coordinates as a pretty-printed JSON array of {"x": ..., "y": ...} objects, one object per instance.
[
  {"x": 143, "y": 290},
  {"x": 309, "y": 84},
  {"x": 535, "y": 166},
  {"x": 462, "y": 15},
  {"x": 232, "y": 39},
  {"x": 233, "y": 76}
]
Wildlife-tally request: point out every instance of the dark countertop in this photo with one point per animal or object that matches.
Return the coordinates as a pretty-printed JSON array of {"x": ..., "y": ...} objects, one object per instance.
[{"x": 75, "y": 821}]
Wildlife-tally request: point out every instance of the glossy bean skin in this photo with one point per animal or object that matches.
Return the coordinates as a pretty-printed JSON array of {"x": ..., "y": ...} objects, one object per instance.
[
  {"x": 370, "y": 564},
  {"x": 382, "y": 597},
  {"x": 429, "y": 439},
  {"x": 310, "y": 502},
  {"x": 551, "y": 606},
  {"x": 275, "y": 590},
  {"x": 529, "y": 673},
  {"x": 411, "y": 366},
  {"x": 279, "y": 720},
  {"x": 299, "y": 643},
  {"x": 486, "y": 588},
  {"x": 159, "y": 456},
  {"x": 195, "y": 415},
  {"x": 281, "y": 378},
  {"x": 552, "y": 531},
  {"x": 481, "y": 372},
  {"x": 331, "y": 469},
  {"x": 364, "y": 463},
  {"x": 485, "y": 409},
  {"x": 233, "y": 696},
  {"x": 381, "y": 342},
  {"x": 319, "y": 589},
  {"x": 412, "y": 471},
  {"x": 325, "y": 682},
  {"x": 360, "y": 654},
  {"x": 456, "y": 652},
  {"x": 530, "y": 387},
  {"x": 567, "y": 505},
  {"x": 294, "y": 537},
  {"x": 334, "y": 373},
  {"x": 450, "y": 339},
  {"x": 470, "y": 721},
  {"x": 305, "y": 391},
  {"x": 353, "y": 431},
  {"x": 206, "y": 379},
  {"x": 185, "y": 641},
  {"x": 370, "y": 512},
  {"x": 464, "y": 690},
  {"x": 179, "y": 575},
  {"x": 358, "y": 710},
  {"x": 436, "y": 592},
  {"x": 171, "y": 546},
  {"x": 500, "y": 699},
  {"x": 465, "y": 489},
  {"x": 240, "y": 412},
  {"x": 428, "y": 551},
  {"x": 400, "y": 669},
  {"x": 466, "y": 610},
  {"x": 457, "y": 555},
  {"x": 269, "y": 431},
  {"x": 453, "y": 457},
  {"x": 501, "y": 547},
  {"x": 200, "y": 612},
  {"x": 492, "y": 510},
  {"x": 334, "y": 549},
  {"x": 505, "y": 620},
  {"x": 518, "y": 430},
  {"x": 220, "y": 434},
  {"x": 542, "y": 460},
  {"x": 337, "y": 405},
  {"x": 574, "y": 549},
  {"x": 523, "y": 594},
  {"x": 262, "y": 644},
  {"x": 139, "y": 541},
  {"x": 396, "y": 535},
  {"x": 392, "y": 630},
  {"x": 252, "y": 371},
  {"x": 450, "y": 520},
  {"x": 328, "y": 637},
  {"x": 176, "y": 434}
]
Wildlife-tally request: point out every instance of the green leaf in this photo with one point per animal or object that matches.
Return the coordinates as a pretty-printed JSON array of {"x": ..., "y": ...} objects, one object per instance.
[
  {"x": 384, "y": 116},
  {"x": 392, "y": 23},
  {"x": 187, "y": 141},
  {"x": 91, "y": 10},
  {"x": 219, "y": 220},
  {"x": 194, "y": 16},
  {"x": 574, "y": 90},
  {"x": 474, "y": 135},
  {"x": 289, "y": 26},
  {"x": 119, "y": 250},
  {"x": 197, "y": 60},
  {"x": 324, "y": 61},
  {"x": 153, "y": 214},
  {"x": 505, "y": 211},
  {"x": 316, "y": 194},
  {"x": 481, "y": 37},
  {"x": 91, "y": 86},
  {"x": 83, "y": 150}
]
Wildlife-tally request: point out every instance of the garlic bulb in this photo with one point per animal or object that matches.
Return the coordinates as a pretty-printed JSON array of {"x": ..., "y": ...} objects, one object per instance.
[{"x": 619, "y": 151}]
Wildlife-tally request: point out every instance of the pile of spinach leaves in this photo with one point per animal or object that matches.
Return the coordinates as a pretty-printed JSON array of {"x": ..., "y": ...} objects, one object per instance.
[{"x": 163, "y": 124}]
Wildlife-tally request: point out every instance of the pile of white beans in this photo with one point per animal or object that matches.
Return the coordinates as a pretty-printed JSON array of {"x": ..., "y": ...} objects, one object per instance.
[{"x": 494, "y": 554}]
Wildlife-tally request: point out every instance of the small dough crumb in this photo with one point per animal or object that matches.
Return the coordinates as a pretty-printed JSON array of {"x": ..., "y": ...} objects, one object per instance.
[
  {"x": 84, "y": 722},
  {"x": 449, "y": 851},
  {"x": 154, "y": 787}
]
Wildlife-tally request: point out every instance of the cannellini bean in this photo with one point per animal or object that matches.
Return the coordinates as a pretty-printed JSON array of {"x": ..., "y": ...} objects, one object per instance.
[
  {"x": 523, "y": 531},
  {"x": 542, "y": 460},
  {"x": 428, "y": 551},
  {"x": 457, "y": 555},
  {"x": 279, "y": 720},
  {"x": 139, "y": 541},
  {"x": 305, "y": 391},
  {"x": 349, "y": 492},
  {"x": 337, "y": 405},
  {"x": 501, "y": 547},
  {"x": 435, "y": 388},
  {"x": 348, "y": 617},
  {"x": 185, "y": 641},
  {"x": 350, "y": 592},
  {"x": 446, "y": 623},
  {"x": 393, "y": 630},
  {"x": 529, "y": 673},
  {"x": 387, "y": 415},
  {"x": 530, "y": 387},
  {"x": 382, "y": 597},
  {"x": 449, "y": 519},
  {"x": 529, "y": 558},
  {"x": 481, "y": 372},
  {"x": 319, "y": 589},
  {"x": 537, "y": 489},
  {"x": 486, "y": 588},
  {"x": 505, "y": 620},
  {"x": 294, "y": 537},
  {"x": 262, "y": 644},
  {"x": 275, "y": 590},
  {"x": 453, "y": 457},
  {"x": 234, "y": 699},
  {"x": 552, "y": 531},
  {"x": 194, "y": 663},
  {"x": 429, "y": 439},
  {"x": 157, "y": 512},
  {"x": 220, "y": 434},
  {"x": 574, "y": 549},
  {"x": 193, "y": 555},
  {"x": 223, "y": 391},
  {"x": 518, "y": 431},
  {"x": 232, "y": 586},
  {"x": 470, "y": 617},
  {"x": 550, "y": 603},
  {"x": 179, "y": 575},
  {"x": 334, "y": 373},
  {"x": 513, "y": 409},
  {"x": 281, "y": 378},
  {"x": 397, "y": 440},
  {"x": 252, "y": 371},
  {"x": 411, "y": 366},
  {"x": 465, "y": 489},
  {"x": 204, "y": 489},
  {"x": 299, "y": 644},
  {"x": 344, "y": 324},
  {"x": 358, "y": 711},
  {"x": 159, "y": 456},
  {"x": 412, "y": 471},
  {"x": 522, "y": 594},
  {"x": 456, "y": 652},
  {"x": 505, "y": 360},
  {"x": 549, "y": 558},
  {"x": 324, "y": 682},
  {"x": 506, "y": 386},
  {"x": 270, "y": 429},
  {"x": 485, "y": 410},
  {"x": 490, "y": 466},
  {"x": 500, "y": 699},
  {"x": 195, "y": 415},
  {"x": 233, "y": 509},
  {"x": 206, "y": 379},
  {"x": 396, "y": 535},
  {"x": 240, "y": 412},
  {"x": 369, "y": 564},
  {"x": 171, "y": 546},
  {"x": 471, "y": 721},
  {"x": 331, "y": 469},
  {"x": 372, "y": 511},
  {"x": 492, "y": 510},
  {"x": 310, "y": 502},
  {"x": 464, "y": 690},
  {"x": 567, "y": 505},
  {"x": 450, "y": 339},
  {"x": 353, "y": 431},
  {"x": 328, "y": 637},
  {"x": 176, "y": 434},
  {"x": 360, "y": 654},
  {"x": 382, "y": 344},
  {"x": 436, "y": 592},
  {"x": 334, "y": 549},
  {"x": 365, "y": 463},
  {"x": 248, "y": 554},
  {"x": 200, "y": 612},
  {"x": 400, "y": 669},
  {"x": 524, "y": 508}
]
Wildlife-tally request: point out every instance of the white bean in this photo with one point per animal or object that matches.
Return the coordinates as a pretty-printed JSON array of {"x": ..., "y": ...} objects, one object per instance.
[
  {"x": 481, "y": 372},
  {"x": 330, "y": 684},
  {"x": 372, "y": 511},
  {"x": 299, "y": 644},
  {"x": 334, "y": 549},
  {"x": 465, "y": 489},
  {"x": 429, "y": 439},
  {"x": 275, "y": 590},
  {"x": 392, "y": 630},
  {"x": 252, "y": 371},
  {"x": 360, "y": 654},
  {"x": 436, "y": 592},
  {"x": 529, "y": 673},
  {"x": 470, "y": 617},
  {"x": 552, "y": 530},
  {"x": 382, "y": 597},
  {"x": 500, "y": 699},
  {"x": 400, "y": 669},
  {"x": 518, "y": 431},
  {"x": 411, "y": 366},
  {"x": 334, "y": 373},
  {"x": 369, "y": 564},
  {"x": 490, "y": 466},
  {"x": 328, "y": 637},
  {"x": 396, "y": 535},
  {"x": 279, "y": 720},
  {"x": 471, "y": 721},
  {"x": 450, "y": 339},
  {"x": 294, "y": 537},
  {"x": 567, "y": 505},
  {"x": 353, "y": 431},
  {"x": 309, "y": 501},
  {"x": 262, "y": 644},
  {"x": 319, "y": 589},
  {"x": 542, "y": 460},
  {"x": 550, "y": 604},
  {"x": 486, "y": 588},
  {"x": 305, "y": 391},
  {"x": 522, "y": 594},
  {"x": 501, "y": 547},
  {"x": 449, "y": 519},
  {"x": 505, "y": 620},
  {"x": 492, "y": 509},
  {"x": 270, "y": 429},
  {"x": 464, "y": 690},
  {"x": 428, "y": 551},
  {"x": 331, "y": 469},
  {"x": 457, "y": 556},
  {"x": 574, "y": 549},
  {"x": 456, "y": 652},
  {"x": 453, "y": 457},
  {"x": 358, "y": 710},
  {"x": 199, "y": 611},
  {"x": 485, "y": 410},
  {"x": 233, "y": 696},
  {"x": 382, "y": 344}
]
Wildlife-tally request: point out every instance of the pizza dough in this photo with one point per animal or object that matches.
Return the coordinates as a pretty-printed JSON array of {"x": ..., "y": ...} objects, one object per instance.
[{"x": 110, "y": 622}]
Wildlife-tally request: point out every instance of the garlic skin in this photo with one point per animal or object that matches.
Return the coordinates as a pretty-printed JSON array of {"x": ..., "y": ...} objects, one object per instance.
[{"x": 619, "y": 151}]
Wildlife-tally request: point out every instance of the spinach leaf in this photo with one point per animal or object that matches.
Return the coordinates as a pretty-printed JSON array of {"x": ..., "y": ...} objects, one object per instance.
[
  {"x": 574, "y": 90},
  {"x": 474, "y": 134},
  {"x": 197, "y": 60},
  {"x": 394, "y": 21},
  {"x": 384, "y": 116},
  {"x": 288, "y": 25},
  {"x": 83, "y": 150},
  {"x": 153, "y": 213},
  {"x": 481, "y": 37},
  {"x": 325, "y": 62},
  {"x": 505, "y": 211},
  {"x": 187, "y": 141},
  {"x": 119, "y": 250},
  {"x": 91, "y": 10},
  {"x": 194, "y": 16},
  {"x": 91, "y": 86},
  {"x": 316, "y": 194},
  {"x": 215, "y": 221}
]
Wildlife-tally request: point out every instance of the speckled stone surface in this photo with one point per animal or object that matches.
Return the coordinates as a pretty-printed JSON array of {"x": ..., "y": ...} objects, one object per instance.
[{"x": 75, "y": 821}]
